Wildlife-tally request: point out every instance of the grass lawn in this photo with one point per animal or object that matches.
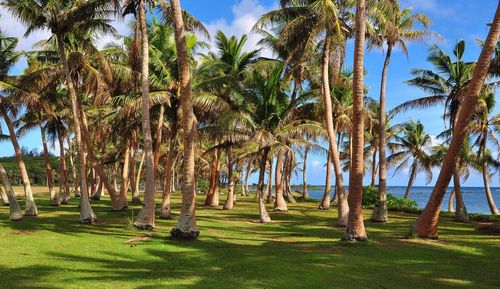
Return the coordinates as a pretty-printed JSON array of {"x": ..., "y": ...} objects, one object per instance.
[{"x": 300, "y": 249}]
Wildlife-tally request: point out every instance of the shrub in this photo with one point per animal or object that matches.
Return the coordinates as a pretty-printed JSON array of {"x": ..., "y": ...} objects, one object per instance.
[{"x": 370, "y": 197}]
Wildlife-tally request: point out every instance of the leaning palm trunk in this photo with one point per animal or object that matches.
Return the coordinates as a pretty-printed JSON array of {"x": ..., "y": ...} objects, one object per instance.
[
  {"x": 125, "y": 174},
  {"x": 460, "y": 210},
  {"x": 355, "y": 225},
  {"x": 63, "y": 173},
  {"x": 427, "y": 224},
  {"x": 247, "y": 176},
  {"x": 263, "y": 215},
  {"x": 54, "y": 196},
  {"x": 325, "y": 203},
  {"x": 279, "y": 201},
  {"x": 31, "y": 209},
  {"x": 136, "y": 198},
  {"x": 146, "y": 217},
  {"x": 343, "y": 208},
  {"x": 380, "y": 210},
  {"x": 288, "y": 177},
  {"x": 4, "y": 199},
  {"x": 228, "y": 205},
  {"x": 487, "y": 190},
  {"x": 76, "y": 186},
  {"x": 411, "y": 180},
  {"x": 186, "y": 226},
  {"x": 15, "y": 210},
  {"x": 87, "y": 215}
]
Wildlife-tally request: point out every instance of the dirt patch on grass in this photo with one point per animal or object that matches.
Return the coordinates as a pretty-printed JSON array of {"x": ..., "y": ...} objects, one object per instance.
[
  {"x": 22, "y": 233},
  {"x": 489, "y": 228}
]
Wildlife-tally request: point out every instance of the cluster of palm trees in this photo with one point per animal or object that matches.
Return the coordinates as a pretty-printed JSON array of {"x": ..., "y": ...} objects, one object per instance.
[{"x": 156, "y": 100}]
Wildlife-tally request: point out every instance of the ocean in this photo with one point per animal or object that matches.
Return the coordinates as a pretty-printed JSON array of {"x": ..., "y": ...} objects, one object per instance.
[{"x": 474, "y": 197}]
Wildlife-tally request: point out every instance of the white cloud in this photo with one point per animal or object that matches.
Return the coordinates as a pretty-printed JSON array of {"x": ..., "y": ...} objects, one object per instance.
[
  {"x": 12, "y": 27},
  {"x": 316, "y": 164},
  {"x": 245, "y": 15},
  {"x": 432, "y": 6}
]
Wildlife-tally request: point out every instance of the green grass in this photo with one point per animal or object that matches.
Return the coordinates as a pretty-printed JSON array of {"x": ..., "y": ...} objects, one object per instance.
[{"x": 300, "y": 249}]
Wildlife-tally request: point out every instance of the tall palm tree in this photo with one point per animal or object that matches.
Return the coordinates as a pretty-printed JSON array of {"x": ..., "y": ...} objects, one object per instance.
[
  {"x": 15, "y": 209},
  {"x": 63, "y": 18},
  {"x": 186, "y": 226},
  {"x": 484, "y": 128},
  {"x": 355, "y": 225},
  {"x": 427, "y": 223},
  {"x": 395, "y": 27},
  {"x": 411, "y": 148}
]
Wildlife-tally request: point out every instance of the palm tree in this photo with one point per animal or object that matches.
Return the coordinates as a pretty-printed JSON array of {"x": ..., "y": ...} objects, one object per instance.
[
  {"x": 62, "y": 19},
  {"x": 395, "y": 27},
  {"x": 427, "y": 223},
  {"x": 186, "y": 226},
  {"x": 484, "y": 128},
  {"x": 411, "y": 149}
]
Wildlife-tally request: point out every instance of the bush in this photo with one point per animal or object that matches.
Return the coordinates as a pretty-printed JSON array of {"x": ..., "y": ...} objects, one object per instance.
[
  {"x": 203, "y": 185},
  {"x": 370, "y": 197}
]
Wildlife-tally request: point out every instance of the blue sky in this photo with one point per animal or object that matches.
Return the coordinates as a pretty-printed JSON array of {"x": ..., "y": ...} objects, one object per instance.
[{"x": 454, "y": 20}]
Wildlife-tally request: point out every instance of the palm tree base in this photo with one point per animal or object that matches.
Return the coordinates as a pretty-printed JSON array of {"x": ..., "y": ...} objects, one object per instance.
[
  {"x": 323, "y": 207},
  {"x": 31, "y": 211},
  {"x": 88, "y": 221},
  {"x": 144, "y": 226},
  {"x": 178, "y": 234},
  {"x": 283, "y": 210},
  {"x": 16, "y": 216},
  {"x": 352, "y": 236}
]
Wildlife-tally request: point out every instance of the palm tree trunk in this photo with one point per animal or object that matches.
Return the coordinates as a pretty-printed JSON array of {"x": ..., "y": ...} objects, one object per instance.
[
  {"x": 325, "y": 202},
  {"x": 212, "y": 198},
  {"x": 31, "y": 209},
  {"x": 136, "y": 198},
  {"x": 133, "y": 174},
  {"x": 355, "y": 225},
  {"x": 87, "y": 215},
  {"x": 4, "y": 199},
  {"x": 64, "y": 189},
  {"x": 489, "y": 197},
  {"x": 374, "y": 168},
  {"x": 413, "y": 174},
  {"x": 247, "y": 176},
  {"x": 165, "y": 212},
  {"x": 125, "y": 173},
  {"x": 269, "y": 186},
  {"x": 54, "y": 196},
  {"x": 279, "y": 201},
  {"x": 380, "y": 210},
  {"x": 158, "y": 139},
  {"x": 263, "y": 215},
  {"x": 427, "y": 224},
  {"x": 76, "y": 186},
  {"x": 186, "y": 226},
  {"x": 450, "y": 201},
  {"x": 460, "y": 210},
  {"x": 15, "y": 209},
  {"x": 146, "y": 217},
  {"x": 288, "y": 176},
  {"x": 305, "y": 193},
  {"x": 228, "y": 205}
]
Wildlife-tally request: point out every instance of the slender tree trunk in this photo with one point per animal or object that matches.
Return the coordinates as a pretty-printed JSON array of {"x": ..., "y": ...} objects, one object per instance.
[
  {"x": 54, "y": 195},
  {"x": 287, "y": 176},
  {"x": 427, "y": 224},
  {"x": 87, "y": 215},
  {"x": 413, "y": 174},
  {"x": 186, "y": 226},
  {"x": 380, "y": 210},
  {"x": 305, "y": 193},
  {"x": 374, "y": 168},
  {"x": 355, "y": 225},
  {"x": 158, "y": 139},
  {"x": 133, "y": 174},
  {"x": 165, "y": 212},
  {"x": 15, "y": 209},
  {"x": 146, "y": 218},
  {"x": 489, "y": 197},
  {"x": 460, "y": 210},
  {"x": 137, "y": 197},
  {"x": 212, "y": 198},
  {"x": 325, "y": 203},
  {"x": 4, "y": 199},
  {"x": 64, "y": 189},
  {"x": 76, "y": 186},
  {"x": 450, "y": 201},
  {"x": 228, "y": 205},
  {"x": 269, "y": 186},
  {"x": 31, "y": 209},
  {"x": 125, "y": 173},
  {"x": 263, "y": 215},
  {"x": 343, "y": 208},
  {"x": 279, "y": 201},
  {"x": 247, "y": 176}
]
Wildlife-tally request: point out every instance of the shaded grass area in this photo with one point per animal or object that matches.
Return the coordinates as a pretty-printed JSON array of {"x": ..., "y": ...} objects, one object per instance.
[{"x": 300, "y": 249}]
